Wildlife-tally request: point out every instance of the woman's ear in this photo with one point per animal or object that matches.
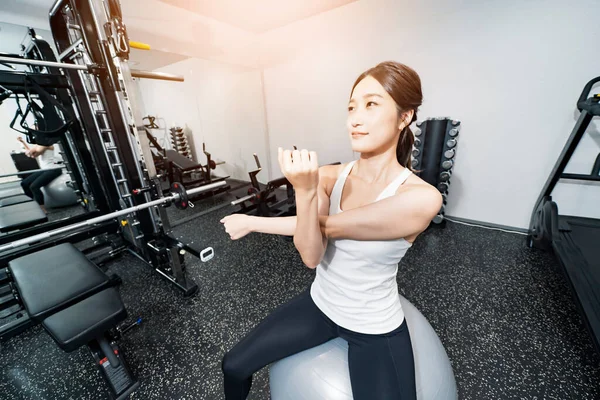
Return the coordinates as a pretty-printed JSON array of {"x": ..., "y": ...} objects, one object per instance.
[{"x": 405, "y": 119}]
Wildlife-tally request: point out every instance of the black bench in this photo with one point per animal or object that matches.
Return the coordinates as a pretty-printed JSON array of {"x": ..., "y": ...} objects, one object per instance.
[
  {"x": 10, "y": 185},
  {"x": 77, "y": 305},
  {"x": 11, "y": 190},
  {"x": 20, "y": 216},
  {"x": 18, "y": 199}
]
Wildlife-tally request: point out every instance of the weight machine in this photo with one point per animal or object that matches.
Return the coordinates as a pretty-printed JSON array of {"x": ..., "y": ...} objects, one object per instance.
[
  {"x": 88, "y": 93},
  {"x": 91, "y": 83}
]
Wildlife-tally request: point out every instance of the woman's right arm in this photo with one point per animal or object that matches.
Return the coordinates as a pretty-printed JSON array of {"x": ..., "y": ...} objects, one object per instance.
[
  {"x": 239, "y": 225},
  {"x": 285, "y": 226}
]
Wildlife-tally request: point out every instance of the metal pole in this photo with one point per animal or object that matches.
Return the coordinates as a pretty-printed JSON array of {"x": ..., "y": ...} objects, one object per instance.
[
  {"x": 27, "y": 61},
  {"x": 31, "y": 171},
  {"x": 106, "y": 217},
  {"x": 136, "y": 73},
  {"x": 243, "y": 199}
]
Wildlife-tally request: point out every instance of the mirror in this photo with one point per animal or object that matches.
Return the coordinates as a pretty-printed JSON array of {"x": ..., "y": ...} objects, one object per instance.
[{"x": 56, "y": 189}]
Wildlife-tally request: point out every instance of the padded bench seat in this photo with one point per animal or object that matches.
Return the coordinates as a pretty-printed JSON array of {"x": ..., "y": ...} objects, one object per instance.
[
  {"x": 11, "y": 191},
  {"x": 180, "y": 161},
  {"x": 19, "y": 216},
  {"x": 10, "y": 185},
  {"x": 53, "y": 278},
  {"x": 87, "y": 320},
  {"x": 18, "y": 199}
]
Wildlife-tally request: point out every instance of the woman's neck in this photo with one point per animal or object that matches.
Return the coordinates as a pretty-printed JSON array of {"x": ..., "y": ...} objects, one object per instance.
[{"x": 377, "y": 168}]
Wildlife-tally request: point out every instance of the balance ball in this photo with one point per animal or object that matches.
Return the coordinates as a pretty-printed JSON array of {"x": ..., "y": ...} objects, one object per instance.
[
  {"x": 58, "y": 194},
  {"x": 321, "y": 373}
]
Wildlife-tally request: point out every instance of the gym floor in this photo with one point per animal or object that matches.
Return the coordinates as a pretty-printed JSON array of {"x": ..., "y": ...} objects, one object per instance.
[{"x": 503, "y": 312}]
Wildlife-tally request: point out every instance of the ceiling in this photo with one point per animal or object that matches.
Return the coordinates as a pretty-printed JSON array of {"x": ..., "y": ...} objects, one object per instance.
[
  {"x": 220, "y": 30},
  {"x": 257, "y": 16}
]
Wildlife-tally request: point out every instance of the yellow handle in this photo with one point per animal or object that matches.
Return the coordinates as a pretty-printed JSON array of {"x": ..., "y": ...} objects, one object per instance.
[{"x": 139, "y": 45}]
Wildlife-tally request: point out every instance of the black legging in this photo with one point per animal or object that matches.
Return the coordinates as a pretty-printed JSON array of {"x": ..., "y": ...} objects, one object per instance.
[
  {"x": 33, "y": 184},
  {"x": 381, "y": 366}
]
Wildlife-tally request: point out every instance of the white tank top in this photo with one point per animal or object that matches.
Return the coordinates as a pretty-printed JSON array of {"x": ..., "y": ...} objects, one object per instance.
[
  {"x": 355, "y": 285},
  {"x": 49, "y": 158}
]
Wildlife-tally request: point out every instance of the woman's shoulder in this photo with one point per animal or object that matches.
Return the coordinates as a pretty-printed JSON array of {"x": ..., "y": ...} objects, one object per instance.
[
  {"x": 332, "y": 170},
  {"x": 328, "y": 175},
  {"x": 419, "y": 189}
]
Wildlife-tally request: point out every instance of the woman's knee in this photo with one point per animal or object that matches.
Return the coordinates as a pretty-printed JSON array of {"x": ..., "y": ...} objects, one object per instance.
[{"x": 233, "y": 367}]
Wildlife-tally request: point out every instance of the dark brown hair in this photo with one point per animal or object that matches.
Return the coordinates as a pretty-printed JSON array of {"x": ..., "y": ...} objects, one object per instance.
[{"x": 403, "y": 84}]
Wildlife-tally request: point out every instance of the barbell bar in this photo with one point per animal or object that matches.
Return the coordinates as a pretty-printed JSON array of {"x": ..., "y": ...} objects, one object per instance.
[
  {"x": 134, "y": 72},
  {"x": 211, "y": 210},
  {"x": 173, "y": 197},
  {"x": 31, "y": 171},
  {"x": 42, "y": 63}
]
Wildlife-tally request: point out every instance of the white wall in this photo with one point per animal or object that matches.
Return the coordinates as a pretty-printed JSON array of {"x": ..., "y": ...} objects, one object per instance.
[
  {"x": 221, "y": 105},
  {"x": 32, "y": 13},
  {"x": 511, "y": 71}
]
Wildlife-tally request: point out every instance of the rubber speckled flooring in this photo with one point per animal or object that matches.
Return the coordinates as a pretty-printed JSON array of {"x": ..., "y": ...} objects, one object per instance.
[{"x": 503, "y": 312}]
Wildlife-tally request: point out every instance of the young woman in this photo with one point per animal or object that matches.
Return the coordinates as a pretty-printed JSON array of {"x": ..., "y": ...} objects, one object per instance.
[
  {"x": 354, "y": 224},
  {"x": 47, "y": 160}
]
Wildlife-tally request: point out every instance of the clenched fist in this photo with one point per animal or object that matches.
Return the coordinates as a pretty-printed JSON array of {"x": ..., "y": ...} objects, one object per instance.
[
  {"x": 300, "y": 167},
  {"x": 237, "y": 225}
]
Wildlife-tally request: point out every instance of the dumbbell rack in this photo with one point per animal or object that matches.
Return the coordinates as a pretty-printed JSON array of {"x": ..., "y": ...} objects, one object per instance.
[
  {"x": 179, "y": 142},
  {"x": 434, "y": 153}
]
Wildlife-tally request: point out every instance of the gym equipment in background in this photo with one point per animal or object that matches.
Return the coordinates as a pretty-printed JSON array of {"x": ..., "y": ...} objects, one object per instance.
[
  {"x": 105, "y": 145},
  {"x": 179, "y": 165},
  {"x": 574, "y": 240},
  {"x": 321, "y": 373},
  {"x": 179, "y": 142},
  {"x": 262, "y": 200},
  {"x": 433, "y": 155},
  {"x": 91, "y": 109},
  {"x": 178, "y": 196},
  {"x": 44, "y": 80}
]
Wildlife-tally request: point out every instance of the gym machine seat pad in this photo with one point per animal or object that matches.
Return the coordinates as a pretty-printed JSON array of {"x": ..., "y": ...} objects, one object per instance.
[
  {"x": 19, "y": 216},
  {"x": 18, "y": 199},
  {"x": 181, "y": 162},
  {"x": 10, "y": 190},
  {"x": 87, "y": 320},
  {"x": 49, "y": 279}
]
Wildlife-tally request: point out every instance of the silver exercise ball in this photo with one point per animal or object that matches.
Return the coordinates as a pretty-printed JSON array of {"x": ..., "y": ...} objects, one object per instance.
[
  {"x": 58, "y": 194},
  {"x": 321, "y": 373}
]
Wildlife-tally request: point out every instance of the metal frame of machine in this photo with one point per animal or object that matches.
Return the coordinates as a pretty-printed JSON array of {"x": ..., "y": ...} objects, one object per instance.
[
  {"x": 106, "y": 147},
  {"x": 574, "y": 240}
]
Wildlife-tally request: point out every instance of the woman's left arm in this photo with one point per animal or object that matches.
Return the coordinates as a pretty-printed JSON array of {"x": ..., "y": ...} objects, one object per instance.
[
  {"x": 407, "y": 213},
  {"x": 38, "y": 150}
]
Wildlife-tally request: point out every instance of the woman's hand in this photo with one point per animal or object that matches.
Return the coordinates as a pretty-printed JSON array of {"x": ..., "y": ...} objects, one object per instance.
[
  {"x": 300, "y": 167},
  {"x": 35, "y": 151},
  {"x": 237, "y": 225}
]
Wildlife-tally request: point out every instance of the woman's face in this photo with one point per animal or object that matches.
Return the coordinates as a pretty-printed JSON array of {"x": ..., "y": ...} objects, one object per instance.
[{"x": 373, "y": 121}]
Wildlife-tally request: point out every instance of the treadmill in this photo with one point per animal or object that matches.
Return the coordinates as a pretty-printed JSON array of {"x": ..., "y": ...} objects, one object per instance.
[{"x": 575, "y": 241}]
